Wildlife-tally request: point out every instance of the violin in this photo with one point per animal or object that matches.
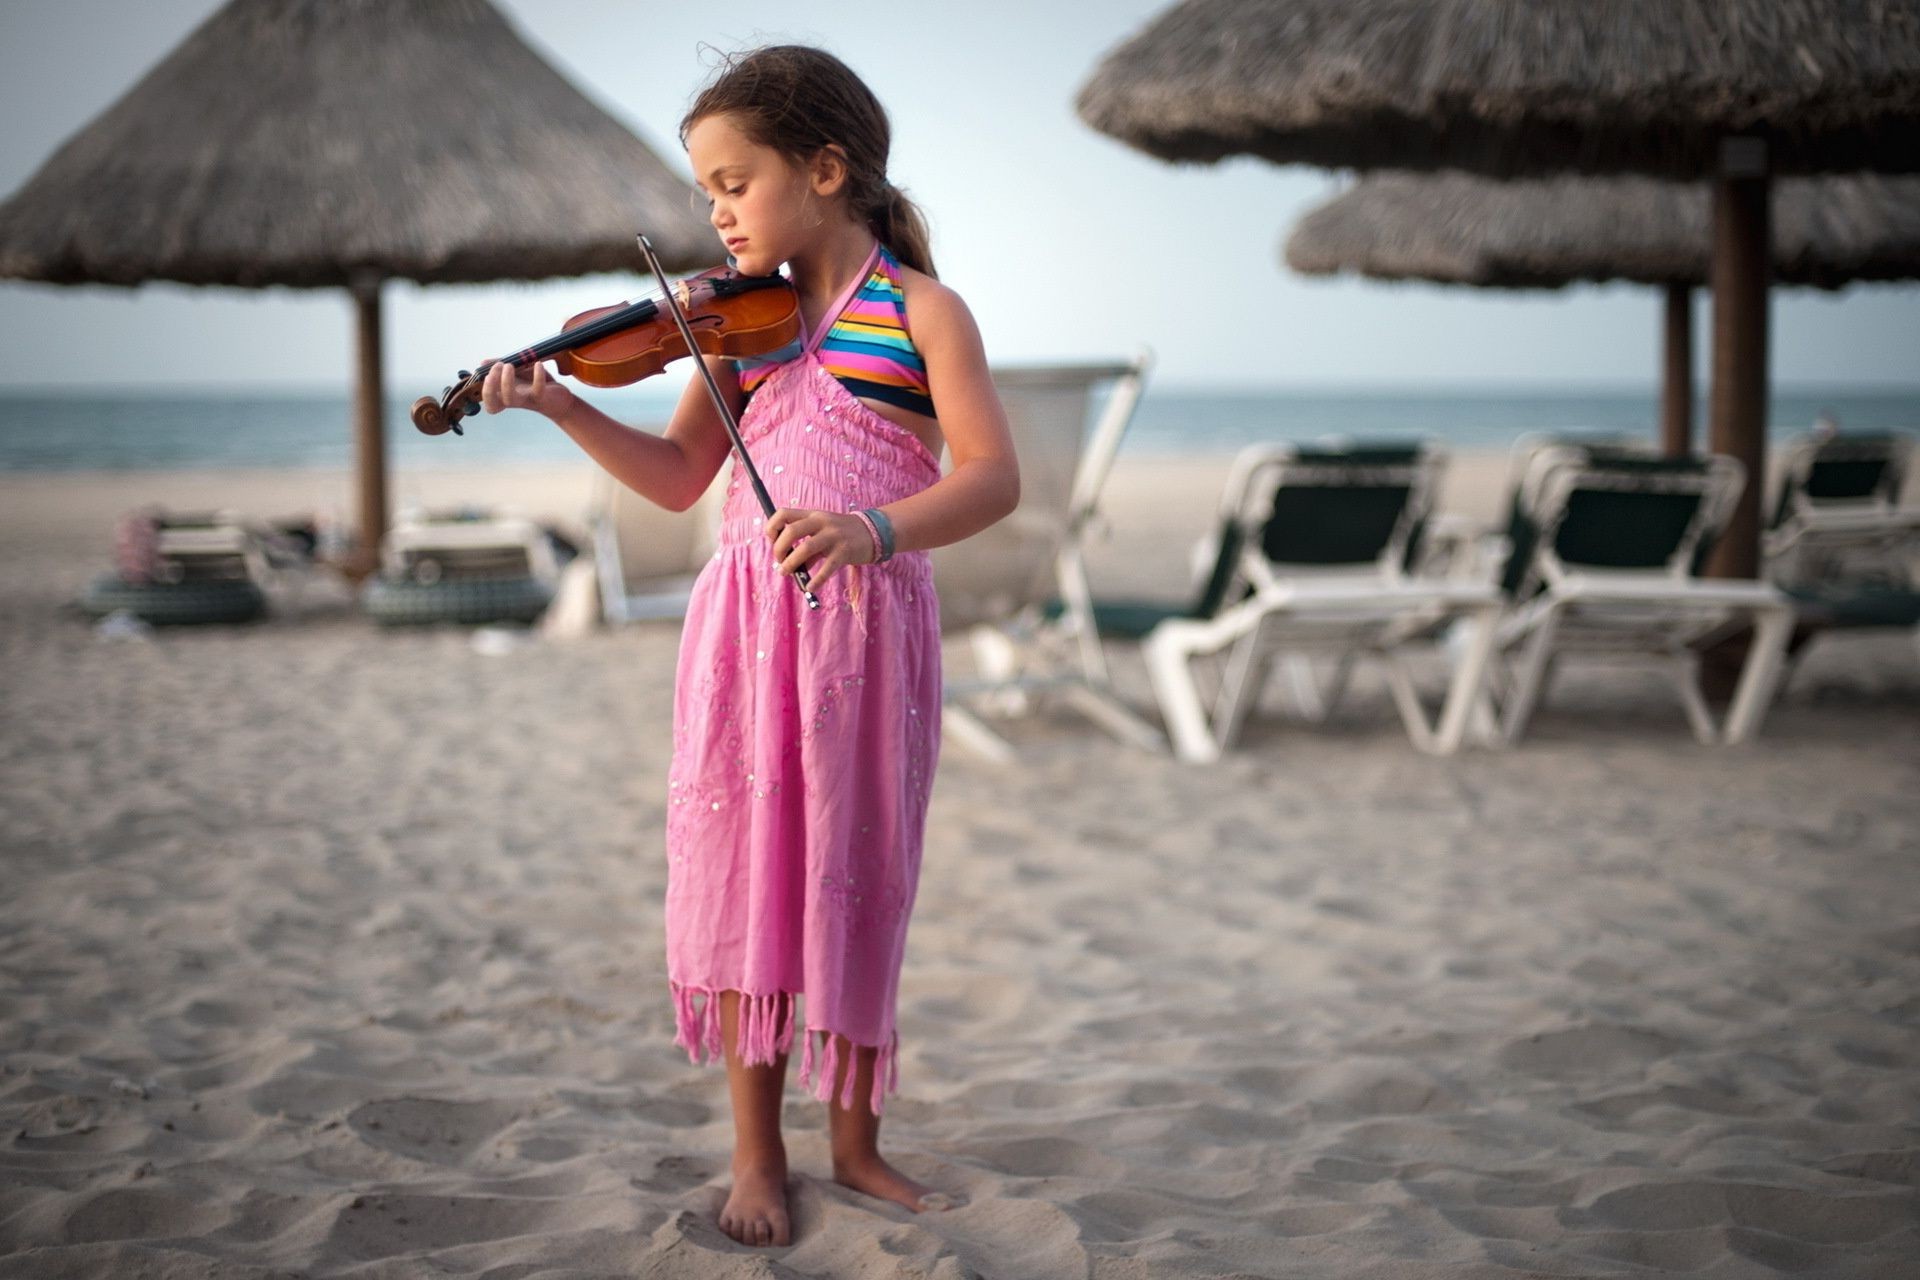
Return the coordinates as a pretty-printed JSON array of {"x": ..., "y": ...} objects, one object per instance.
[
  {"x": 718, "y": 312},
  {"x": 728, "y": 314}
]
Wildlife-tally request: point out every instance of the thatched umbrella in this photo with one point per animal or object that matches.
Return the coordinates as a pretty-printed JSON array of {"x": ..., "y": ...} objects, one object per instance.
[
  {"x": 1732, "y": 90},
  {"x": 1545, "y": 233},
  {"x": 339, "y": 144}
]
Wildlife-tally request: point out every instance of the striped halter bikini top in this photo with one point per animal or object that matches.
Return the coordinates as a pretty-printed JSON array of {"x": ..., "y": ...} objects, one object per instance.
[{"x": 867, "y": 346}]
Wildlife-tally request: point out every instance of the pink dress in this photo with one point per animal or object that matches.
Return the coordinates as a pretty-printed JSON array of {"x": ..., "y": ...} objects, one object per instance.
[{"x": 804, "y": 746}]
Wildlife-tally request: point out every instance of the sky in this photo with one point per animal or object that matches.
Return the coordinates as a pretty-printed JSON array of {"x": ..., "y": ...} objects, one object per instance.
[{"x": 1064, "y": 243}]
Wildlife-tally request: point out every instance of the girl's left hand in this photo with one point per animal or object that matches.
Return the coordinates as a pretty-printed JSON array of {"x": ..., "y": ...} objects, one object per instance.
[{"x": 832, "y": 540}]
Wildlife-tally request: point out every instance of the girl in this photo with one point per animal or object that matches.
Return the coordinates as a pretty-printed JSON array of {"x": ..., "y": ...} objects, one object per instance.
[{"x": 804, "y": 743}]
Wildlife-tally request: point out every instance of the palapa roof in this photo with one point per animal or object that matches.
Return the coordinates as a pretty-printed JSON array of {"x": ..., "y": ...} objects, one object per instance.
[
  {"x": 1512, "y": 87},
  {"x": 1543, "y": 233},
  {"x": 313, "y": 142}
]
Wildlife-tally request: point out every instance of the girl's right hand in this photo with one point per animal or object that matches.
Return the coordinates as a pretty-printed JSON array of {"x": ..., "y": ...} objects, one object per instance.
[{"x": 506, "y": 387}]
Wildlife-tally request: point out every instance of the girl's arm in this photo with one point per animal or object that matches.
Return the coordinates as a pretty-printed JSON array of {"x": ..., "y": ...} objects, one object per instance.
[
  {"x": 982, "y": 488},
  {"x": 673, "y": 469},
  {"x": 984, "y": 485}
]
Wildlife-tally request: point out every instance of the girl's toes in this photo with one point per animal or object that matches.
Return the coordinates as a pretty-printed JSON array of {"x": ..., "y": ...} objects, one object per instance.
[{"x": 938, "y": 1200}]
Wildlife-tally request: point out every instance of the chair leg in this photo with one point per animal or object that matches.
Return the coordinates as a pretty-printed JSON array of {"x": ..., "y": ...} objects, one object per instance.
[
  {"x": 1760, "y": 678},
  {"x": 1407, "y": 700},
  {"x": 1466, "y": 692},
  {"x": 961, "y": 724},
  {"x": 1533, "y": 663},
  {"x": 1170, "y": 671},
  {"x": 1241, "y": 685},
  {"x": 1337, "y": 686},
  {"x": 1116, "y": 717},
  {"x": 1684, "y": 671},
  {"x": 1305, "y": 688}
]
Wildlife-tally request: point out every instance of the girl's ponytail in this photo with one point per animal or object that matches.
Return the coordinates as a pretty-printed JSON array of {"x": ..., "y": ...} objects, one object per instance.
[{"x": 899, "y": 225}]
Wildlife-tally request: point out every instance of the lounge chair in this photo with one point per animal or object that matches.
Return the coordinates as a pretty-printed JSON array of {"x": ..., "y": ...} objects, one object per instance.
[
  {"x": 647, "y": 556},
  {"x": 995, "y": 587},
  {"x": 462, "y": 565},
  {"x": 1839, "y": 515},
  {"x": 180, "y": 568},
  {"x": 1605, "y": 546},
  {"x": 1840, "y": 542},
  {"x": 1312, "y": 556}
]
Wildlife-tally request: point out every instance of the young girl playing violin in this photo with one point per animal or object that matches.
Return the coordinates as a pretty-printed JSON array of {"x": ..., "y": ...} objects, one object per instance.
[{"x": 804, "y": 742}]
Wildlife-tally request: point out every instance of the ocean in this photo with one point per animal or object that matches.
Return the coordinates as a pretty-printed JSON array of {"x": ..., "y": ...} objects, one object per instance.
[{"x": 176, "y": 430}]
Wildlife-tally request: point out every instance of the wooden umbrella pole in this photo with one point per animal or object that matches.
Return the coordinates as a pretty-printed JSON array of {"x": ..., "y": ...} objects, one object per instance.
[
  {"x": 1737, "y": 415},
  {"x": 1676, "y": 383},
  {"x": 369, "y": 430}
]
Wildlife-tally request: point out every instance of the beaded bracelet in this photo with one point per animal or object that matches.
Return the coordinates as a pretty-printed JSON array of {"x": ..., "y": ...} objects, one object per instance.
[
  {"x": 885, "y": 528},
  {"x": 873, "y": 532}
]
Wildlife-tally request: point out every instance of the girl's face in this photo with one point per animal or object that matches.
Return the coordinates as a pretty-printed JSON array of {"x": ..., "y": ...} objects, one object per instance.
[{"x": 764, "y": 208}]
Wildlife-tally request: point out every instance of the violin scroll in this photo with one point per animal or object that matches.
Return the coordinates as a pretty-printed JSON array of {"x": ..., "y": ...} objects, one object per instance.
[{"x": 461, "y": 400}]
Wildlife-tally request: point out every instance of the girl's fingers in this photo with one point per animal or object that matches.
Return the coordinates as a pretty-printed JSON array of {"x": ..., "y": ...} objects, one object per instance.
[{"x": 784, "y": 527}]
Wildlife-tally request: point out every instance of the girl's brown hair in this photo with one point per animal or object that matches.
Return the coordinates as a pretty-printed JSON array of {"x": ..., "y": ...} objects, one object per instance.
[{"x": 798, "y": 99}]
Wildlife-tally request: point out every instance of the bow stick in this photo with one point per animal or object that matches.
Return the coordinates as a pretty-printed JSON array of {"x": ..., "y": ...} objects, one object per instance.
[{"x": 720, "y": 404}]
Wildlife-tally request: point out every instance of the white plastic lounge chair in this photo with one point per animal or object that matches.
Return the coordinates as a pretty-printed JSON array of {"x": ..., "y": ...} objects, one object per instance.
[
  {"x": 1606, "y": 544},
  {"x": 1839, "y": 514},
  {"x": 1840, "y": 543},
  {"x": 995, "y": 586},
  {"x": 647, "y": 556},
  {"x": 1312, "y": 558}
]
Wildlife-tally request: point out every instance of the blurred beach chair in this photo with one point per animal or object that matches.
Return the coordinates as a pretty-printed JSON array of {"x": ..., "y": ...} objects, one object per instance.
[
  {"x": 184, "y": 568},
  {"x": 646, "y": 556},
  {"x": 995, "y": 587},
  {"x": 1312, "y": 557},
  {"x": 1604, "y": 547},
  {"x": 464, "y": 565},
  {"x": 1840, "y": 542},
  {"x": 1838, "y": 515}
]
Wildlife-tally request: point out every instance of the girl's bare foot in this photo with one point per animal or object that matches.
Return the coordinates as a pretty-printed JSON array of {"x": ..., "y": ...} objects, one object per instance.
[
  {"x": 882, "y": 1181},
  {"x": 756, "y": 1209}
]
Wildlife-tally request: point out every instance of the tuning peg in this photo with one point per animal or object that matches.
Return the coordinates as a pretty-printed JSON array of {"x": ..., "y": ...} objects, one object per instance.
[
  {"x": 465, "y": 374},
  {"x": 473, "y": 407}
]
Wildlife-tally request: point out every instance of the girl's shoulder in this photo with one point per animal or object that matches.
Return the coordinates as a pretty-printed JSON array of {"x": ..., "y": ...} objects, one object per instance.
[{"x": 934, "y": 310}]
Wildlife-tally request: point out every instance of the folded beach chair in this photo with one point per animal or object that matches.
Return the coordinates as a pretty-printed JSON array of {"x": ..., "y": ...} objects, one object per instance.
[
  {"x": 1605, "y": 546},
  {"x": 1312, "y": 557},
  {"x": 647, "y": 556},
  {"x": 995, "y": 587}
]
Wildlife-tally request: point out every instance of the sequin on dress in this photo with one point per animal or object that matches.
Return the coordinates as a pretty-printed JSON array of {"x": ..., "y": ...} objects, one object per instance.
[{"x": 804, "y": 747}]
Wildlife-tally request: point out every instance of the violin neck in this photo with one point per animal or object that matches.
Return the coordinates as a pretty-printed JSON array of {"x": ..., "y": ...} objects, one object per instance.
[{"x": 634, "y": 313}]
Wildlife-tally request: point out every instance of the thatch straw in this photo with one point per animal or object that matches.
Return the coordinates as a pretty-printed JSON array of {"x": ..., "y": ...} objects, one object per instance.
[
  {"x": 1512, "y": 87},
  {"x": 314, "y": 142},
  {"x": 1455, "y": 229}
]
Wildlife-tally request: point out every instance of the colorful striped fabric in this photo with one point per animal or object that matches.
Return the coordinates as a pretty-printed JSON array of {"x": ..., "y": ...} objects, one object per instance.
[{"x": 867, "y": 347}]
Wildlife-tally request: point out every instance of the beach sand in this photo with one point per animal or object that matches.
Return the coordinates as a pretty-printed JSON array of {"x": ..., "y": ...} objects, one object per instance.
[{"x": 331, "y": 951}]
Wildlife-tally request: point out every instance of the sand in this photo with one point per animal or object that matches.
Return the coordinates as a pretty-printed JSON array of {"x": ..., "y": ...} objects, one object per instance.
[{"x": 328, "y": 951}]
